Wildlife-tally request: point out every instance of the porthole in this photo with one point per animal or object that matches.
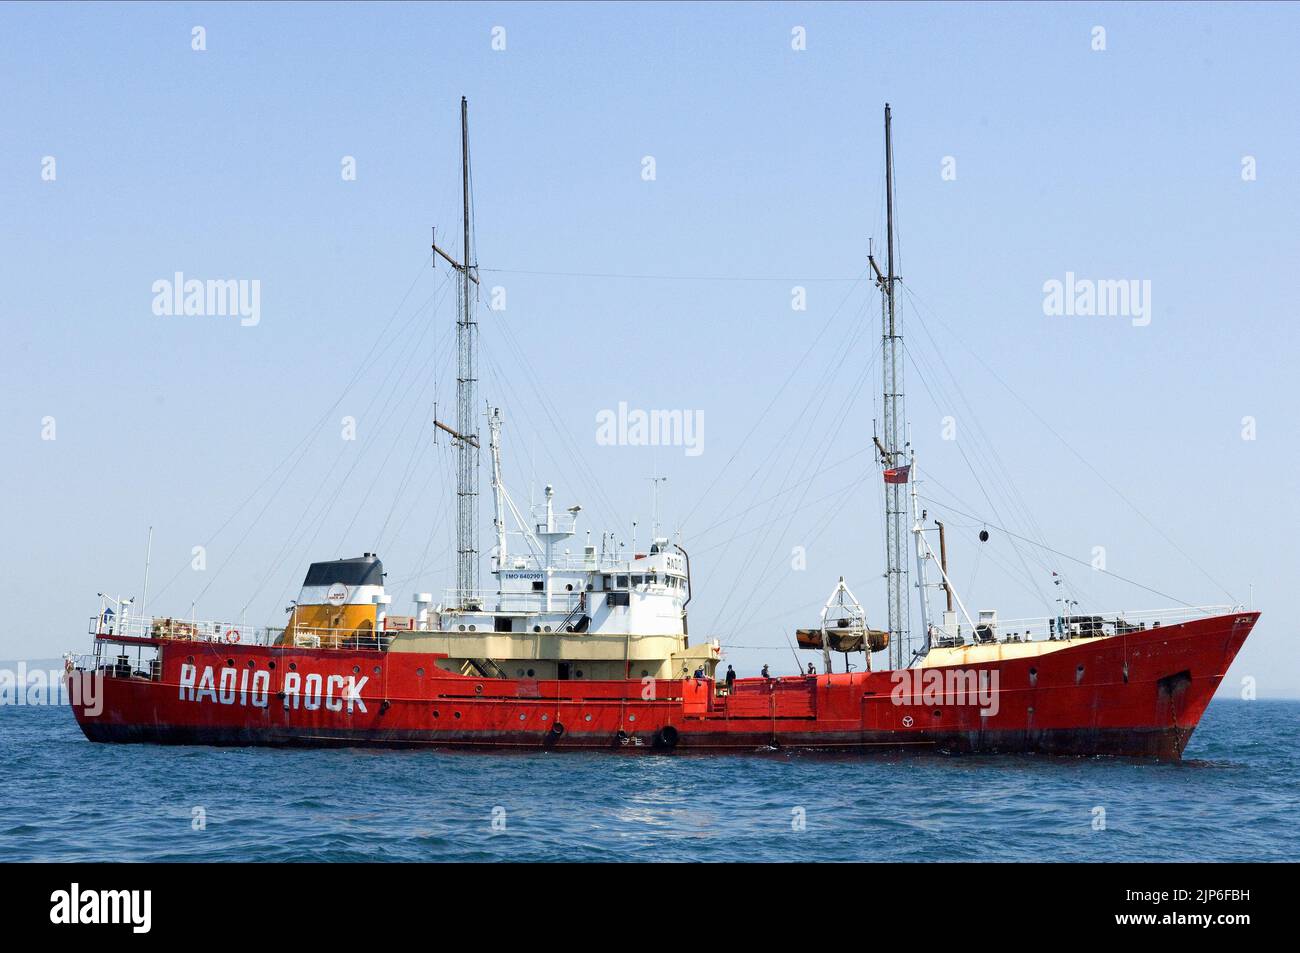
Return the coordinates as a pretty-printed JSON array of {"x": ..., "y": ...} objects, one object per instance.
[
  {"x": 252, "y": 664},
  {"x": 530, "y": 673},
  {"x": 537, "y": 628},
  {"x": 522, "y": 716},
  {"x": 578, "y": 673},
  {"x": 546, "y": 717},
  {"x": 230, "y": 662},
  {"x": 586, "y": 718},
  {"x": 631, "y": 717},
  {"x": 471, "y": 628},
  {"x": 435, "y": 713},
  {"x": 569, "y": 587},
  {"x": 456, "y": 714},
  {"x": 938, "y": 713},
  {"x": 293, "y": 666},
  {"x": 270, "y": 665},
  {"x": 356, "y": 669},
  {"x": 419, "y": 672},
  {"x": 462, "y": 628},
  {"x": 546, "y": 628},
  {"x": 376, "y": 669},
  {"x": 519, "y": 673},
  {"x": 478, "y": 689}
]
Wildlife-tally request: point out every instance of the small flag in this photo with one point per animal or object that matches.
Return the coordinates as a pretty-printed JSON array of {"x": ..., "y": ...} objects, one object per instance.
[{"x": 897, "y": 474}]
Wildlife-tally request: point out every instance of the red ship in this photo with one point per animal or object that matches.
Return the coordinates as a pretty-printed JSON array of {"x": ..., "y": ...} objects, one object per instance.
[
  {"x": 592, "y": 651},
  {"x": 1140, "y": 693}
]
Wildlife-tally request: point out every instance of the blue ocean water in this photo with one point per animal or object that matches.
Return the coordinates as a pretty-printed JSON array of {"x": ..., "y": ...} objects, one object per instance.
[{"x": 64, "y": 798}]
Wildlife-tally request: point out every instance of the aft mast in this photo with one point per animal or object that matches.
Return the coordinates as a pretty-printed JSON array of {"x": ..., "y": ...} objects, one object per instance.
[
  {"x": 892, "y": 444},
  {"x": 465, "y": 434}
]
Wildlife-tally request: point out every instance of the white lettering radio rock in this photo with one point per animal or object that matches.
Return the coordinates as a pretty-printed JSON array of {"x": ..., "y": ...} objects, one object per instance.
[{"x": 247, "y": 688}]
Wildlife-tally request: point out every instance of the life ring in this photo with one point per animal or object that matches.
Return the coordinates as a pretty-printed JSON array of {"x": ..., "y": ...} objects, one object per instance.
[{"x": 232, "y": 636}]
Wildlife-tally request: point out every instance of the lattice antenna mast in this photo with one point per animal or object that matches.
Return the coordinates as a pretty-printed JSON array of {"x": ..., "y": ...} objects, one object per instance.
[
  {"x": 892, "y": 444},
  {"x": 465, "y": 433}
]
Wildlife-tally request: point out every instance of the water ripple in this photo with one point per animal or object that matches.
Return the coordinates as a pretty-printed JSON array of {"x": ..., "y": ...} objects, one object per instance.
[{"x": 63, "y": 798}]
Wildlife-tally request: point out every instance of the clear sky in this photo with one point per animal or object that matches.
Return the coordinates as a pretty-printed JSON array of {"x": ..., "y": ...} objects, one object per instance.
[{"x": 1170, "y": 156}]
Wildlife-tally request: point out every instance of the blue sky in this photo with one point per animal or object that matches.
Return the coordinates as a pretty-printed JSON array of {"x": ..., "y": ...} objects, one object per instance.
[{"x": 1123, "y": 163}]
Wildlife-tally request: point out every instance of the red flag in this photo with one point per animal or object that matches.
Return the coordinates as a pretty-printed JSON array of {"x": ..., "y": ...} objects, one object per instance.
[{"x": 897, "y": 474}]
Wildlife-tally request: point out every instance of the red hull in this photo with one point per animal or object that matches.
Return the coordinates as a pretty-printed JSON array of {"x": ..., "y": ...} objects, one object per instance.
[{"x": 1140, "y": 694}]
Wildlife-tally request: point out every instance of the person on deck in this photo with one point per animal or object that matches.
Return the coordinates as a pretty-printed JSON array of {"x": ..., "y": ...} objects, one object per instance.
[
  {"x": 731, "y": 678},
  {"x": 811, "y": 670},
  {"x": 699, "y": 672},
  {"x": 766, "y": 673}
]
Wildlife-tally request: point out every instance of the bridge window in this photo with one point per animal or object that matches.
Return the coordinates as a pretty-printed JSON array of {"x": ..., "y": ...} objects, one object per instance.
[{"x": 622, "y": 582}]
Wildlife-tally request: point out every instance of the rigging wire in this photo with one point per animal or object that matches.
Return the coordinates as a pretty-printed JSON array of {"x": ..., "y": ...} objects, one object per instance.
[
  {"x": 988, "y": 461},
  {"x": 416, "y": 447},
  {"x": 368, "y": 359},
  {"x": 1084, "y": 460},
  {"x": 983, "y": 489},
  {"x": 789, "y": 489},
  {"x": 1057, "y": 552},
  {"x": 292, "y": 537},
  {"x": 769, "y": 525},
  {"x": 839, "y": 492},
  {"x": 587, "y": 479},
  {"x": 771, "y": 402},
  {"x": 662, "y": 277}
]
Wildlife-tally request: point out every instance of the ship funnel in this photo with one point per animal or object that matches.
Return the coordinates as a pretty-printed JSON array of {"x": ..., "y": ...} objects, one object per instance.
[{"x": 341, "y": 600}]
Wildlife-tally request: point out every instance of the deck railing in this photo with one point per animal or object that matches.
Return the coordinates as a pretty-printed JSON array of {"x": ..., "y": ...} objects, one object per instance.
[
  {"x": 234, "y": 633},
  {"x": 1080, "y": 624}
]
